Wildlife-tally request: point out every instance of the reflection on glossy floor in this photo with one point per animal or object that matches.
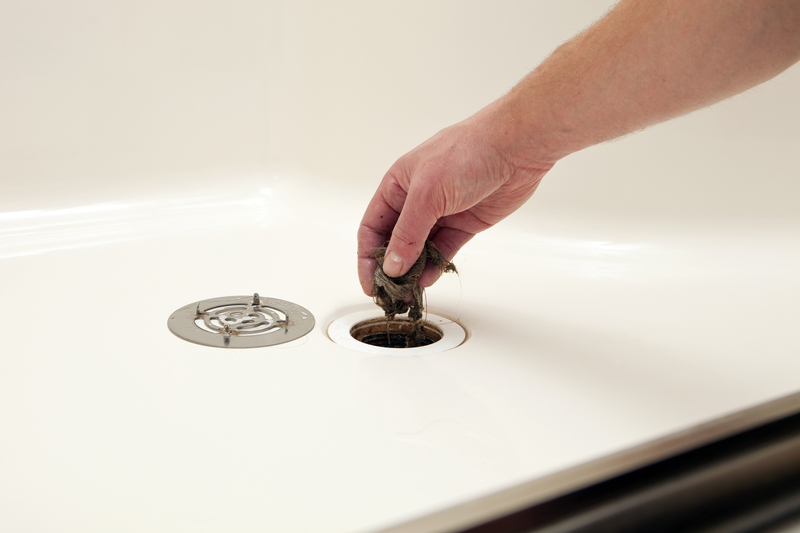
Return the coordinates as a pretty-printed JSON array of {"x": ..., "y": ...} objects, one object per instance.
[
  {"x": 789, "y": 526},
  {"x": 155, "y": 155}
]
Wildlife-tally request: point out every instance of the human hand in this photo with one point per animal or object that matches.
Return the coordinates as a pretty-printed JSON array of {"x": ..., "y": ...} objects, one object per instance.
[
  {"x": 460, "y": 182},
  {"x": 634, "y": 68}
]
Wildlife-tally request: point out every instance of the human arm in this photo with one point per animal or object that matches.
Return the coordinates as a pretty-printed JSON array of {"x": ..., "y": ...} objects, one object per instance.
[{"x": 645, "y": 62}]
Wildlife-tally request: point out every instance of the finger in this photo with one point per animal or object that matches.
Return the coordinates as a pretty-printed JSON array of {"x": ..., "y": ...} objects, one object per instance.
[
  {"x": 373, "y": 232},
  {"x": 376, "y": 225},
  {"x": 419, "y": 214},
  {"x": 366, "y": 273},
  {"x": 449, "y": 241},
  {"x": 429, "y": 276}
]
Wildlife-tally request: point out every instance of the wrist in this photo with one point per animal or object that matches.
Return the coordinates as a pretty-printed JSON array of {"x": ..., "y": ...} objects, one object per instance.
[{"x": 525, "y": 130}]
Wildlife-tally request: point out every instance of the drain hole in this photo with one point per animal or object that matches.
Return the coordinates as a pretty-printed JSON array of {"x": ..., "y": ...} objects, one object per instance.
[{"x": 392, "y": 333}]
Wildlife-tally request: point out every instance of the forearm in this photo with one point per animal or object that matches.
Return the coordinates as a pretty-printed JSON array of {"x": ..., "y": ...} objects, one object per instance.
[{"x": 645, "y": 62}]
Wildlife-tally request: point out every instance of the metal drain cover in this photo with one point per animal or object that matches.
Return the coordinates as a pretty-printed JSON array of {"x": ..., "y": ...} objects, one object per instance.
[{"x": 241, "y": 322}]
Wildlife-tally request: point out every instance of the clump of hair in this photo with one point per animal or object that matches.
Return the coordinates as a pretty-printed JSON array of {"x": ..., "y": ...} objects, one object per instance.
[{"x": 392, "y": 294}]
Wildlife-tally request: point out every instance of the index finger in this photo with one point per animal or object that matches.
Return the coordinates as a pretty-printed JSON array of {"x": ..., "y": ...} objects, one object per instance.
[{"x": 373, "y": 232}]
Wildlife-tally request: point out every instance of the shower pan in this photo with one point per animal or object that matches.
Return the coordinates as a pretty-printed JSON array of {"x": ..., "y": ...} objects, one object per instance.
[{"x": 186, "y": 347}]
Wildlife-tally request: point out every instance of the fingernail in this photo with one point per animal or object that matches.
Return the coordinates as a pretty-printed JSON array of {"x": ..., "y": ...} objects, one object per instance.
[{"x": 392, "y": 265}]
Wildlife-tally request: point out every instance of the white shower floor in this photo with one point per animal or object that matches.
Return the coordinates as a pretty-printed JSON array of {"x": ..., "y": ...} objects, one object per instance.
[{"x": 650, "y": 286}]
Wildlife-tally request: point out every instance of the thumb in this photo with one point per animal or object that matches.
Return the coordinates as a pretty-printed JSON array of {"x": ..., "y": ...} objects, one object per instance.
[{"x": 409, "y": 234}]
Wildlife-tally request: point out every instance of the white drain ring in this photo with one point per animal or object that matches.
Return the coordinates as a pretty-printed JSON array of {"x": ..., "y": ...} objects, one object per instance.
[{"x": 452, "y": 335}]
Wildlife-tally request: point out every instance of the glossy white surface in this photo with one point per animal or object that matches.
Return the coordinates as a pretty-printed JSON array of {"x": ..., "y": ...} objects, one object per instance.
[
  {"x": 452, "y": 335},
  {"x": 158, "y": 154}
]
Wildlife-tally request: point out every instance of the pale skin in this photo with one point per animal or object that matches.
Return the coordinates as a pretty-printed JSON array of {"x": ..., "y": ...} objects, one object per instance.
[{"x": 645, "y": 62}]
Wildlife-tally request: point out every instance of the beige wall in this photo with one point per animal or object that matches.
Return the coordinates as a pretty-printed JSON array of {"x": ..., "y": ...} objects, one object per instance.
[{"x": 93, "y": 92}]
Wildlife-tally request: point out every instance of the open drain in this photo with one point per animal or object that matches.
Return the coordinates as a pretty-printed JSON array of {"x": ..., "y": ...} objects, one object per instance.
[
  {"x": 241, "y": 322},
  {"x": 392, "y": 333},
  {"x": 366, "y": 332}
]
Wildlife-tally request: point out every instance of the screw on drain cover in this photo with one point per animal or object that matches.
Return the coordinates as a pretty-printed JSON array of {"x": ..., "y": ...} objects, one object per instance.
[{"x": 241, "y": 322}]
